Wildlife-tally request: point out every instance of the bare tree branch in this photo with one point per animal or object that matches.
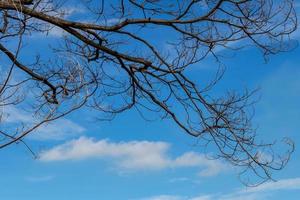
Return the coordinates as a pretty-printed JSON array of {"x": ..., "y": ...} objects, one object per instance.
[{"x": 111, "y": 64}]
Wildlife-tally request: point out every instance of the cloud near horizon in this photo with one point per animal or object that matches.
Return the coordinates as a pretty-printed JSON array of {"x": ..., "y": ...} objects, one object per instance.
[
  {"x": 132, "y": 155},
  {"x": 261, "y": 192}
]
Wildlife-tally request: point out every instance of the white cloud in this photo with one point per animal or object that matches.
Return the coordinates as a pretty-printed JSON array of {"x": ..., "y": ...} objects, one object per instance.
[
  {"x": 64, "y": 12},
  {"x": 178, "y": 179},
  {"x": 73, "y": 10},
  {"x": 133, "y": 155},
  {"x": 55, "y": 31},
  {"x": 262, "y": 192},
  {"x": 13, "y": 115},
  {"x": 57, "y": 130},
  {"x": 192, "y": 159},
  {"x": 285, "y": 184},
  {"x": 112, "y": 21}
]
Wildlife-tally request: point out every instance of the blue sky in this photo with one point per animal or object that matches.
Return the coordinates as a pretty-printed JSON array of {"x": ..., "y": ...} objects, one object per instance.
[{"x": 129, "y": 158}]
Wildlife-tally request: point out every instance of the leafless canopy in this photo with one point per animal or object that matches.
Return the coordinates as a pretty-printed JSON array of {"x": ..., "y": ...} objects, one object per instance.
[{"x": 134, "y": 54}]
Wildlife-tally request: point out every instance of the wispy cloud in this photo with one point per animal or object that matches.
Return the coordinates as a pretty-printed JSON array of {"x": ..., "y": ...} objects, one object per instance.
[
  {"x": 178, "y": 179},
  {"x": 57, "y": 130},
  {"x": 262, "y": 192},
  {"x": 73, "y": 10},
  {"x": 132, "y": 155},
  {"x": 56, "y": 32},
  {"x": 68, "y": 12},
  {"x": 112, "y": 21},
  {"x": 285, "y": 184},
  {"x": 64, "y": 12}
]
